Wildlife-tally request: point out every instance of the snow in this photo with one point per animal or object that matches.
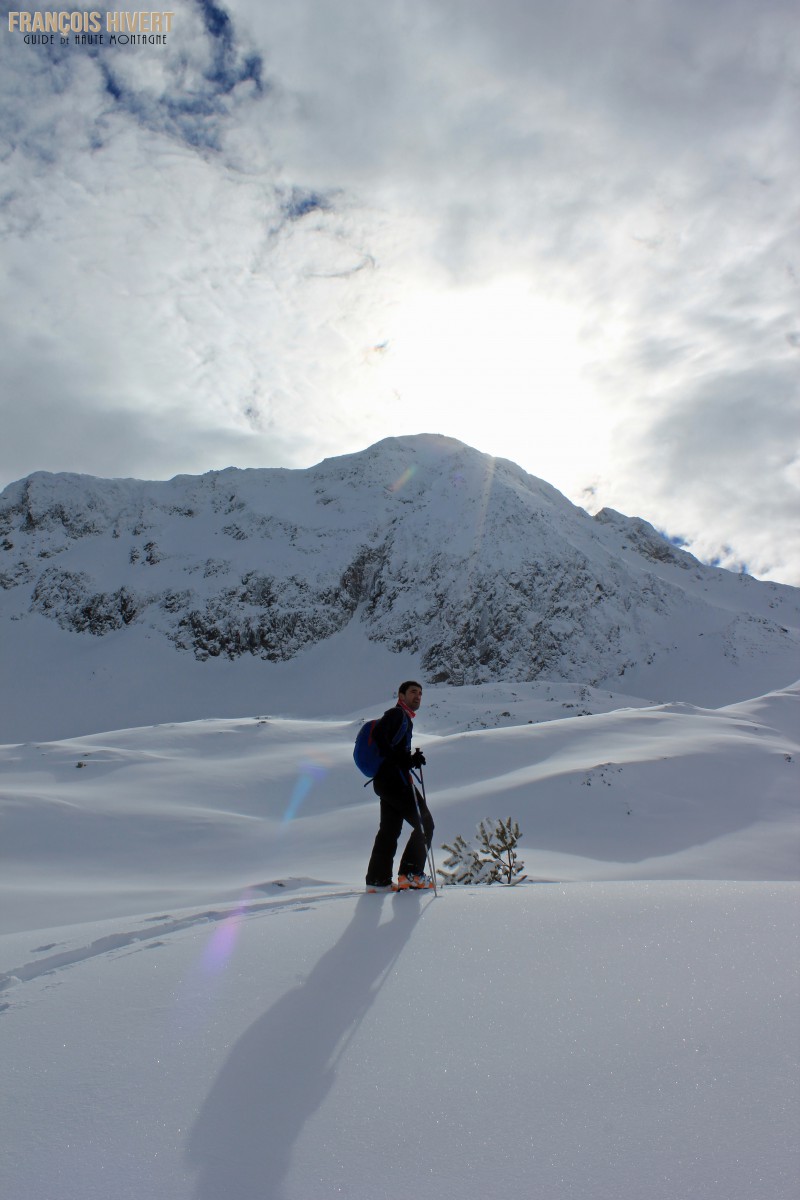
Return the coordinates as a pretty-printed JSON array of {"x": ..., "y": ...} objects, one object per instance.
[
  {"x": 198, "y": 1001},
  {"x": 227, "y": 593},
  {"x": 590, "y": 1040}
]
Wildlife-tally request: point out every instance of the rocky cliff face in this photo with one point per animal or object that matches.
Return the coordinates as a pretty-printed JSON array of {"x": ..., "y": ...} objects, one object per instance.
[{"x": 478, "y": 569}]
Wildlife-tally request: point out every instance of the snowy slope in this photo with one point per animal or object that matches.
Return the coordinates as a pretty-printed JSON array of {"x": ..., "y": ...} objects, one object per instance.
[
  {"x": 197, "y": 1003},
  {"x": 199, "y": 811},
  {"x": 581, "y": 1042},
  {"x": 230, "y": 591}
]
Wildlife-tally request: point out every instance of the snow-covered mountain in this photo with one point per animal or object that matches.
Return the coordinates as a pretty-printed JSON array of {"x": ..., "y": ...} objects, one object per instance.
[
  {"x": 183, "y": 940},
  {"x": 419, "y": 553}
]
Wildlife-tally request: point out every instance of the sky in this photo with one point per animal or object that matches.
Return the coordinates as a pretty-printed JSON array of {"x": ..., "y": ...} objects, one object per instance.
[{"x": 565, "y": 234}]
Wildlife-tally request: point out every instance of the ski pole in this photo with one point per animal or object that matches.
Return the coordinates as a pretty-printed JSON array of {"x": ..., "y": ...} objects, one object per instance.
[{"x": 428, "y": 849}]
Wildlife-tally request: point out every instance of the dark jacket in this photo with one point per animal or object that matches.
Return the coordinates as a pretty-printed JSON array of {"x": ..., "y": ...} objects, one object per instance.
[{"x": 394, "y": 742}]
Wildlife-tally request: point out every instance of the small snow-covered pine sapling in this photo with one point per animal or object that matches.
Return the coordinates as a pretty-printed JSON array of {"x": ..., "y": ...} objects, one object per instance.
[
  {"x": 497, "y": 845},
  {"x": 494, "y": 860},
  {"x": 463, "y": 863}
]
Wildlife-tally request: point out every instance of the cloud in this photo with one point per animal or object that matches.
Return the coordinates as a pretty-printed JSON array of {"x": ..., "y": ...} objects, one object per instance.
[
  {"x": 206, "y": 242},
  {"x": 190, "y": 97},
  {"x": 723, "y": 456},
  {"x": 159, "y": 273}
]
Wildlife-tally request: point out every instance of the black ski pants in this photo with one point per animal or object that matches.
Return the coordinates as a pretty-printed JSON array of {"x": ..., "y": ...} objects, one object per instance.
[{"x": 397, "y": 806}]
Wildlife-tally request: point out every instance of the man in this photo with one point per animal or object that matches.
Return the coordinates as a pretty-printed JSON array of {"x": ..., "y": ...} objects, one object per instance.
[{"x": 399, "y": 798}]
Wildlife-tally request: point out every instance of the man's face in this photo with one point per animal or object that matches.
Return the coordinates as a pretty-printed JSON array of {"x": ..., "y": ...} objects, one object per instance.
[{"x": 412, "y": 697}]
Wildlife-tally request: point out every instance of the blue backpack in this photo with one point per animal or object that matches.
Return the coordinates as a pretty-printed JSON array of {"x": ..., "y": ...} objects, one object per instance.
[{"x": 366, "y": 753}]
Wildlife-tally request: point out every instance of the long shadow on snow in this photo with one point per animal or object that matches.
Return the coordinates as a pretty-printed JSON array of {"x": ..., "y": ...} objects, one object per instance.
[{"x": 281, "y": 1069}]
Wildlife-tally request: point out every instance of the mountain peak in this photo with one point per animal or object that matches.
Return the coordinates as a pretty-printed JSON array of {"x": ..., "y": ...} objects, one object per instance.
[{"x": 458, "y": 561}]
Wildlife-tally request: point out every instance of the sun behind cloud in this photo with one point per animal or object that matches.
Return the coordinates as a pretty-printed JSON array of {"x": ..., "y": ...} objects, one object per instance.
[{"x": 500, "y": 367}]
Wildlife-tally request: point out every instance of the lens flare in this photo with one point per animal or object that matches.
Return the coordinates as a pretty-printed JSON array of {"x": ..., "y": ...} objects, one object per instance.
[
  {"x": 407, "y": 475},
  {"x": 310, "y": 773},
  {"x": 223, "y": 940},
  {"x": 480, "y": 521}
]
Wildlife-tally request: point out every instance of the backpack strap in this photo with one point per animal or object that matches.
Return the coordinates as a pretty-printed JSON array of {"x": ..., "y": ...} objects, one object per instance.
[{"x": 401, "y": 732}]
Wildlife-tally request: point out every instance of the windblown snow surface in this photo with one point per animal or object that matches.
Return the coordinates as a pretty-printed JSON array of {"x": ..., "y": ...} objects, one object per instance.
[{"x": 199, "y": 1002}]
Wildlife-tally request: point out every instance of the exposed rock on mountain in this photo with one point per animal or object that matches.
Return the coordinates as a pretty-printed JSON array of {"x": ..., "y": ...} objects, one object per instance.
[{"x": 475, "y": 568}]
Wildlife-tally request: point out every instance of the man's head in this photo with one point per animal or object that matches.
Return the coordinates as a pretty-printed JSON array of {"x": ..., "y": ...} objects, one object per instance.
[{"x": 410, "y": 693}]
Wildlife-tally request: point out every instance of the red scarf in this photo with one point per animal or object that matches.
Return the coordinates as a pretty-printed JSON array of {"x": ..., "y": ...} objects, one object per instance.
[{"x": 406, "y": 709}]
